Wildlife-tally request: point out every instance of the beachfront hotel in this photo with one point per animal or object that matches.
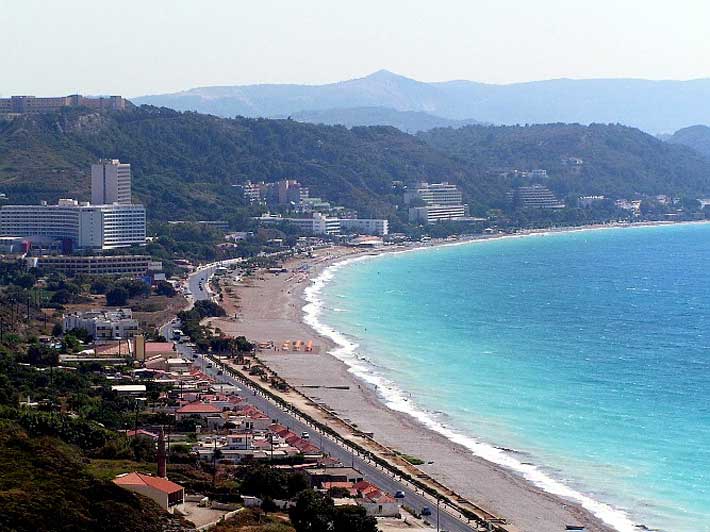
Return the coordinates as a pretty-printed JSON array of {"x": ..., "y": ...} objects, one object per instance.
[{"x": 440, "y": 201}]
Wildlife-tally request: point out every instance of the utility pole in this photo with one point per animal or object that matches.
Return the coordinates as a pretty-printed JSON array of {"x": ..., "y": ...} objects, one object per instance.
[{"x": 438, "y": 501}]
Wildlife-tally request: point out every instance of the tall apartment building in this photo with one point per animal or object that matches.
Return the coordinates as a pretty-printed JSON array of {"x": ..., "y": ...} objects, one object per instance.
[
  {"x": 32, "y": 104},
  {"x": 442, "y": 201},
  {"x": 110, "y": 182},
  {"x": 81, "y": 224}
]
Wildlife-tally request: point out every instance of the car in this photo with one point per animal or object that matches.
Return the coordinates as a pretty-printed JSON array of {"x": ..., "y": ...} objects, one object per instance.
[
  {"x": 220, "y": 372},
  {"x": 399, "y": 494},
  {"x": 305, "y": 435},
  {"x": 209, "y": 365},
  {"x": 426, "y": 511},
  {"x": 195, "y": 356}
]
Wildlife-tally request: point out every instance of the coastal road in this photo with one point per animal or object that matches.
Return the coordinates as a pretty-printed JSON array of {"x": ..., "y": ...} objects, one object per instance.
[
  {"x": 372, "y": 472},
  {"x": 198, "y": 283}
]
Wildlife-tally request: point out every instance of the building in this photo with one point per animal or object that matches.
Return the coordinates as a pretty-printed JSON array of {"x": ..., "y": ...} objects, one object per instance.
[
  {"x": 441, "y": 201},
  {"x": 253, "y": 192},
  {"x": 110, "y": 182},
  {"x": 429, "y": 214},
  {"x": 103, "y": 324},
  {"x": 365, "y": 226},
  {"x": 288, "y": 191},
  {"x": 197, "y": 408},
  {"x": 32, "y": 104},
  {"x": 80, "y": 225},
  {"x": 72, "y": 265},
  {"x": 534, "y": 197},
  {"x": 587, "y": 201},
  {"x": 434, "y": 194},
  {"x": 166, "y": 493},
  {"x": 318, "y": 224}
]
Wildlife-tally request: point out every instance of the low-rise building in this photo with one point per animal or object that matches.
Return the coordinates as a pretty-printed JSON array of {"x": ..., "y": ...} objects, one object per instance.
[
  {"x": 365, "y": 226},
  {"x": 103, "y": 324},
  {"x": 72, "y": 265},
  {"x": 169, "y": 495}
]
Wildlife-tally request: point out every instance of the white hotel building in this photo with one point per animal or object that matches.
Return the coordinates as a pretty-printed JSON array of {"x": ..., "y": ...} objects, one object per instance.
[
  {"x": 111, "y": 221},
  {"x": 86, "y": 226}
]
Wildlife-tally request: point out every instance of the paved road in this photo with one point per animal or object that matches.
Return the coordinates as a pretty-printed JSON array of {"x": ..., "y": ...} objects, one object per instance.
[{"x": 372, "y": 472}]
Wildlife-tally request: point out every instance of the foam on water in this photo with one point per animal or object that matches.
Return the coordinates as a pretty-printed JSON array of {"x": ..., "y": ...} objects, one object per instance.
[{"x": 396, "y": 399}]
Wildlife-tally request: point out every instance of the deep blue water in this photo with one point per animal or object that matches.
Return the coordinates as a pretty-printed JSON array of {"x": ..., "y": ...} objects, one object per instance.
[{"x": 587, "y": 352}]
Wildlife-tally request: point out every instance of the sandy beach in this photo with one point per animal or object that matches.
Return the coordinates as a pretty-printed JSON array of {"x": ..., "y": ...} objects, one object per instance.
[{"x": 269, "y": 308}]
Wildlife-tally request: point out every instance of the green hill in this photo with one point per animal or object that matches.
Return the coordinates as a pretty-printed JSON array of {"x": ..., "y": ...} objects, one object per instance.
[
  {"x": 696, "y": 137},
  {"x": 44, "y": 487},
  {"x": 617, "y": 161},
  {"x": 185, "y": 164}
]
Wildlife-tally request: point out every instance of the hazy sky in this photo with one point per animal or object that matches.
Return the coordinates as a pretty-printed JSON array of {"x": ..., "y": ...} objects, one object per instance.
[{"x": 139, "y": 47}]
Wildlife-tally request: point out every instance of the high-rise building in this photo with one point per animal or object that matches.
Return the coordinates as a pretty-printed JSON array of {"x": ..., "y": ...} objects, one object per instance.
[{"x": 110, "y": 182}]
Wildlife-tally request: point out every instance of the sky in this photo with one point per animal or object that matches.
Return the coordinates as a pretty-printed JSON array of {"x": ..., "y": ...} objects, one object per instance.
[{"x": 142, "y": 47}]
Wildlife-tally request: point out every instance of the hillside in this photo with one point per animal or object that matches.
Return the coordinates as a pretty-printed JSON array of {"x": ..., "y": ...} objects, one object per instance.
[
  {"x": 653, "y": 106},
  {"x": 185, "y": 164},
  {"x": 617, "y": 161},
  {"x": 696, "y": 137},
  {"x": 407, "y": 121},
  {"x": 44, "y": 487}
]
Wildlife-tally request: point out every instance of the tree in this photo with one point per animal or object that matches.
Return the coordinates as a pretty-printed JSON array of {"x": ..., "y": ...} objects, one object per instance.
[
  {"x": 313, "y": 512},
  {"x": 164, "y": 288},
  {"x": 117, "y": 297},
  {"x": 353, "y": 518}
]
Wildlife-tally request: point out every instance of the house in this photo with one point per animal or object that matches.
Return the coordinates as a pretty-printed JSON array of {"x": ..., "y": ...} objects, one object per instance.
[
  {"x": 166, "y": 493},
  {"x": 198, "y": 408},
  {"x": 318, "y": 475},
  {"x": 375, "y": 501}
]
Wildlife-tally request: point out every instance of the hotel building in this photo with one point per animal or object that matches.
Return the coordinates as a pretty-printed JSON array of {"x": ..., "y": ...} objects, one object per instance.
[
  {"x": 72, "y": 265},
  {"x": 442, "y": 201},
  {"x": 81, "y": 225},
  {"x": 110, "y": 182}
]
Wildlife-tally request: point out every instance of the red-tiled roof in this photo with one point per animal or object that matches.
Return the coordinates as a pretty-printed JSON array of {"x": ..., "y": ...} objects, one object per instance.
[
  {"x": 158, "y": 347},
  {"x": 198, "y": 408},
  {"x": 139, "y": 479}
]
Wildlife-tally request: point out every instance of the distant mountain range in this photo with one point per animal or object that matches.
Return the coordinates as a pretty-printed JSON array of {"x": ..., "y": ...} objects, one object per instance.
[
  {"x": 696, "y": 137},
  {"x": 407, "y": 121},
  {"x": 654, "y": 106}
]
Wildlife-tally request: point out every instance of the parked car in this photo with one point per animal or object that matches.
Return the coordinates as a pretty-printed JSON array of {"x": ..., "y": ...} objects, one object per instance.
[
  {"x": 426, "y": 510},
  {"x": 399, "y": 494},
  {"x": 305, "y": 435}
]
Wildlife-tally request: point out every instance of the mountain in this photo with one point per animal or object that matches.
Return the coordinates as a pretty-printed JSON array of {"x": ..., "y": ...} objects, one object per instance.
[
  {"x": 407, "y": 121},
  {"x": 653, "y": 106},
  {"x": 184, "y": 164},
  {"x": 696, "y": 137}
]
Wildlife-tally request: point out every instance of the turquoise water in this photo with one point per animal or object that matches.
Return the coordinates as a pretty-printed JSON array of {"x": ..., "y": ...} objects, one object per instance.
[{"x": 587, "y": 353}]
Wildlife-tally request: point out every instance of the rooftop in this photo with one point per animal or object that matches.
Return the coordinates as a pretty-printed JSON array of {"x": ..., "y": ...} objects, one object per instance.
[{"x": 139, "y": 479}]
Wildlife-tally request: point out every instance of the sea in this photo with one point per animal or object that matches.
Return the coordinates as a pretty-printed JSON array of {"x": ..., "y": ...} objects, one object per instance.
[{"x": 580, "y": 360}]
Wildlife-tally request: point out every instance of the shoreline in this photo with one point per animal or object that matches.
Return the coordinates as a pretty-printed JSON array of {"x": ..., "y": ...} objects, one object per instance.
[{"x": 508, "y": 491}]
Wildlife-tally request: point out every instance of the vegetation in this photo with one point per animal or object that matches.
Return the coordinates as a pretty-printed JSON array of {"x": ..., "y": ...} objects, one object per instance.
[
  {"x": 45, "y": 487},
  {"x": 185, "y": 164}
]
